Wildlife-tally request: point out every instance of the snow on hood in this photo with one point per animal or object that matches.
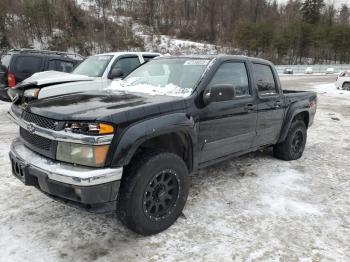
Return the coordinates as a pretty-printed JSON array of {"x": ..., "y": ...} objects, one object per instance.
[
  {"x": 167, "y": 90},
  {"x": 48, "y": 77}
]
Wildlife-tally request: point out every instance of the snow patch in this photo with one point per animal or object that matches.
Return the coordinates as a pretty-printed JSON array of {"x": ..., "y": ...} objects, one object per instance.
[
  {"x": 282, "y": 194},
  {"x": 168, "y": 90}
]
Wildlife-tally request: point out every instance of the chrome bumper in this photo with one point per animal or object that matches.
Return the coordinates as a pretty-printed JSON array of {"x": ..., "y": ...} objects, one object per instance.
[{"x": 63, "y": 172}]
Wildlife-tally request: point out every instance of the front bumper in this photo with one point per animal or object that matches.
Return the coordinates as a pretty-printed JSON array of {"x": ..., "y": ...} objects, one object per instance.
[{"x": 93, "y": 189}]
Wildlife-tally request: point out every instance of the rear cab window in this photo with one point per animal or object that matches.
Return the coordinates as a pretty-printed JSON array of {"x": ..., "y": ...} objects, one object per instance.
[{"x": 265, "y": 80}]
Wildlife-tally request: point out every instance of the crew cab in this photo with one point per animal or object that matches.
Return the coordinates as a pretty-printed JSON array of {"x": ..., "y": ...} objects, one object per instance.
[
  {"x": 132, "y": 147},
  {"x": 94, "y": 73}
]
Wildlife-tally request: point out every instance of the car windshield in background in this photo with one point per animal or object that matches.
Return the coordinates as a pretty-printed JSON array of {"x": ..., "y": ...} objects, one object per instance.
[
  {"x": 93, "y": 66},
  {"x": 174, "y": 77}
]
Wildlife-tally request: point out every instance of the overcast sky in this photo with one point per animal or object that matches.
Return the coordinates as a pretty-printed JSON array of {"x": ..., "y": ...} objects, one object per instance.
[{"x": 337, "y": 3}]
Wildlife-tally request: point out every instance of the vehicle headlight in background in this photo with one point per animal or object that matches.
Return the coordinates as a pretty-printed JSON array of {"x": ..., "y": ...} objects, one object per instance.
[
  {"x": 33, "y": 92},
  {"x": 87, "y": 155},
  {"x": 89, "y": 128}
]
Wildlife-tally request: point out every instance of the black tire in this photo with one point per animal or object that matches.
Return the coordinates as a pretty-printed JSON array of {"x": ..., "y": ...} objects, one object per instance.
[
  {"x": 346, "y": 86},
  {"x": 153, "y": 192},
  {"x": 293, "y": 146}
]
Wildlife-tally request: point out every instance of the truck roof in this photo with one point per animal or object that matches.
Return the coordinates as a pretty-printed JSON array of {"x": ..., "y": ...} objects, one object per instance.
[{"x": 221, "y": 56}]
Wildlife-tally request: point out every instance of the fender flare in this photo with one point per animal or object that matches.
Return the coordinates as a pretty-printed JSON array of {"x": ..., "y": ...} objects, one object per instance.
[
  {"x": 142, "y": 131},
  {"x": 294, "y": 109}
]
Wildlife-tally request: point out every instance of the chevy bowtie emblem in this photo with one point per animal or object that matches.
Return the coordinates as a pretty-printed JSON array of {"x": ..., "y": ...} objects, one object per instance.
[{"x": 31, "y": 128}]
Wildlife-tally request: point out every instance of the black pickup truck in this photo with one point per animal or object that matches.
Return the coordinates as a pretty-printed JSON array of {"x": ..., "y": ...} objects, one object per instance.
[{"x": 130, "y": 148}]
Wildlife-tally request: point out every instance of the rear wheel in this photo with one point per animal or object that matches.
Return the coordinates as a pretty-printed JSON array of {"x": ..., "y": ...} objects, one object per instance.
[
  {"x": 153, "y": 192},
  {"x": 346, "y": 86},
  {"x": 293, "y": 146}
]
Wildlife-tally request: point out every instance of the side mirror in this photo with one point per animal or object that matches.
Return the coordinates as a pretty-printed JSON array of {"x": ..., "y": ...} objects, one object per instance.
[
  {"x": 116, "y": 73},
  {"x": 219, "y": 93}
]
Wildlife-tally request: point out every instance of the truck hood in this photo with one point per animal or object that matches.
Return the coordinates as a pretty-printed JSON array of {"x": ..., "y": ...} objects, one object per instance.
[
  {"x": 73, "y": 87},
  {"x": 55, "y": 83},
  {"x": 54, "y": 77},
  {"x": 105, "y": 105}
]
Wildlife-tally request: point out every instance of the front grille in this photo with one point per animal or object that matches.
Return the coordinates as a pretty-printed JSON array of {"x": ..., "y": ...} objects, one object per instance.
[
  {"x": 39, "y": 120},
  {"x": 39, "y": 144}
]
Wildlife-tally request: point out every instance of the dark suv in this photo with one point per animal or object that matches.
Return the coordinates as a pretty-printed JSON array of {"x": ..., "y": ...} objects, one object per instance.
[{"x": 17, "y": 65}]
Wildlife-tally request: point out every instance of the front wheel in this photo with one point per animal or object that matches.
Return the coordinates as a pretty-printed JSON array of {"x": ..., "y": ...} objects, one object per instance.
[
  {"x": 293, "y": 146},
  {"x": 346, "y": 86},
  {"x": 153, "y": 192}
]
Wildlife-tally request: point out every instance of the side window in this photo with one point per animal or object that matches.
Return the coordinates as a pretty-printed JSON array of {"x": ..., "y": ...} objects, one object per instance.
[
  {"x": 28, "y": 64},
  {"x": 127, "y": 64},
  {"x": 5, "y": 60},
  {"x": 148, "y": 57},
  {"x": 64, "y": 66},
  {"x": 52, "y": 65},
  {"x": 264, "y": 80},
  {"x": 233, "y": 73}
]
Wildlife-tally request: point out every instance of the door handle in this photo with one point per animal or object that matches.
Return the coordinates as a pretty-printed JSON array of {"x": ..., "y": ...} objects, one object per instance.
[
  {"x": 249, "y": 107},
  {"x": 278, "y": 104}
]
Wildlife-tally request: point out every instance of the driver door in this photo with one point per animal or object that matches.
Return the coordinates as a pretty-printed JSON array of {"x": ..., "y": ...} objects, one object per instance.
[{"x": 228, "y": 127}]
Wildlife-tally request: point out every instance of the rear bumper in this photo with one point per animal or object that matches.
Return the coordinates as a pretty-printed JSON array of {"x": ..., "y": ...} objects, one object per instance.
[
  {"x": 3, "y": 94},
  {"x": 92, "y": 189}
]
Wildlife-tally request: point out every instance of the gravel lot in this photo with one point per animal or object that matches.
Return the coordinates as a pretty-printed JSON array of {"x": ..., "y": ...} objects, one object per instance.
[{"x": 252, "y": 208}]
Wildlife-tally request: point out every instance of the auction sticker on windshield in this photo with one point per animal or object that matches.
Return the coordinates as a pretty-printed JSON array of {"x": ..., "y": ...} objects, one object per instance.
[{"x": 199, "y": 62}]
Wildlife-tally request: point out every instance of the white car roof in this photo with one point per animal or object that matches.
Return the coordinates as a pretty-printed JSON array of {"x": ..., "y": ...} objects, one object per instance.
[{"x": 128, "y": 53}]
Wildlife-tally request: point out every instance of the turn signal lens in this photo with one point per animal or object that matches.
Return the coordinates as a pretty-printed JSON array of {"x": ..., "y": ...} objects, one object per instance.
[
  {"x": 106, "y": 129},
  {"x": 89, "y": 128}
]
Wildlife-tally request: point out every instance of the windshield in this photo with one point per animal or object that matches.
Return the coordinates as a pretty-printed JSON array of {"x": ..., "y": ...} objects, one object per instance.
[
  {"x": 173, "y": 77},
  {"x": 93, "y": 66}
]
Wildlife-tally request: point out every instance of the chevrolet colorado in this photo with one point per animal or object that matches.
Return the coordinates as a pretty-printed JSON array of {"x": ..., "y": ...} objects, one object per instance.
[{"x": 131, "y": 147}]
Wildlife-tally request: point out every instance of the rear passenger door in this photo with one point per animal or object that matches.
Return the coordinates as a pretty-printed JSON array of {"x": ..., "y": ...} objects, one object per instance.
[
  {"x": 270, "y": 105},
  {"x": 25, "y": 65},
  {"x": 126, "y": 64},
  {"x": 228, "y": 127}
]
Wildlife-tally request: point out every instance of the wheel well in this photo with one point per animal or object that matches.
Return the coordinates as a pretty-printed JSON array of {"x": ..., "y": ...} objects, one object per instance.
[
  {"x": 346, "y": 82},
  {"x": 303, "y": 116},
  {"x": 178, "y": 143}
]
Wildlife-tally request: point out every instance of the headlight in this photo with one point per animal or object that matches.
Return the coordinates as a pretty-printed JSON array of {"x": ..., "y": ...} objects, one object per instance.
[
  {"x": 87, "y": 155},
  {"x": 33, "y": 92},
  {"x": 89, "y": 128}
]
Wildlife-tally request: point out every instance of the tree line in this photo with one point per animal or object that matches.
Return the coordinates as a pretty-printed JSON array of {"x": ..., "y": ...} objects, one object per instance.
[{"x": 299, "y": 31}]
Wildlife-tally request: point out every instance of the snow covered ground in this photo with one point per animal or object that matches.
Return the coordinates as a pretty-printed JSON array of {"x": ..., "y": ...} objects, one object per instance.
[{"x": 252, "y": 208}]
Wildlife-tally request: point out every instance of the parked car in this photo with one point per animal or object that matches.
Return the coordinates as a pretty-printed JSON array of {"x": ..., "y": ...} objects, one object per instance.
[
  {"x": 132, "y": 146},
  {"x": 19, "y": 64},
  {"x": 309, "y": 70},
  {"x": 330, "y": 70},
  {"x": 343, "y": 81},
  {"x": 99, "y": 69},
  {"x": 288, "y": 71}
]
